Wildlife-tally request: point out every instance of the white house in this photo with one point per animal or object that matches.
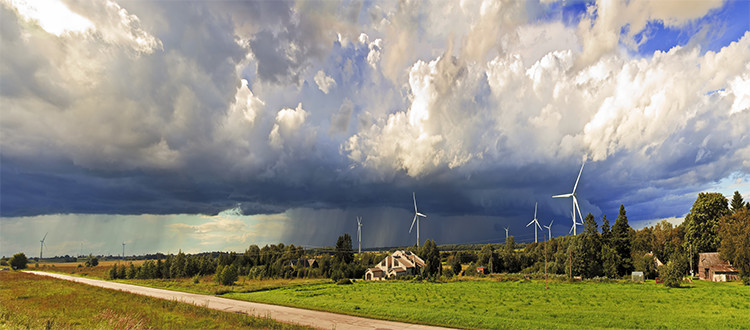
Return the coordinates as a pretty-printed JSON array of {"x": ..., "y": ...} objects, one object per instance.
[{"x": 399, "y": 263}]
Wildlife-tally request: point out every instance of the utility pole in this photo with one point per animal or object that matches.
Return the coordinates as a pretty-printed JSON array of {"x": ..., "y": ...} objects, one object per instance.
[
  {"x": 690, "y": 256},
  {"x": 545, "y": 263}
]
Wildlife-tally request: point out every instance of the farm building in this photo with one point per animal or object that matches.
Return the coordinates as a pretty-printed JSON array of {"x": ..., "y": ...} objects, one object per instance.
[
  {"x": 481, "y": 270},
  {"x": 399, "y": 263},
  {"x": 712, "y": 268}
]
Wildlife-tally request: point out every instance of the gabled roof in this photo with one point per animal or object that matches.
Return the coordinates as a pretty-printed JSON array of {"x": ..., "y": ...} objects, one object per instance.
[{"x": 708, "y": 259}]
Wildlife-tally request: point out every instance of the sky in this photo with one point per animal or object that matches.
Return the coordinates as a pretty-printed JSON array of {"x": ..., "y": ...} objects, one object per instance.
[{"x": 214, "y": 125}]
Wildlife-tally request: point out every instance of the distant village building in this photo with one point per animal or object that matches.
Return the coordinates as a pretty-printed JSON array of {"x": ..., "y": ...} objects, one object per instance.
[
  {"x": 657, "y": 262},
  {"x": 712, "y": 268},
  {"x": 399, "y": 263},
  {"x": 481, "y": 270}
]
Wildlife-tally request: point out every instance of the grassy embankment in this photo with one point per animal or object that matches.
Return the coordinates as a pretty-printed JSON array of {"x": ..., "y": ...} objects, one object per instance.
[
  {"x": 206, "y": 284},
  {"x": 30, "y": 301},
  {"x": 492, "y": 304}
]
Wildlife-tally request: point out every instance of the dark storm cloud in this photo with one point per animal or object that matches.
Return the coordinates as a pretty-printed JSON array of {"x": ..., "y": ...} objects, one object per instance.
[{"x": 153, "y": 116}]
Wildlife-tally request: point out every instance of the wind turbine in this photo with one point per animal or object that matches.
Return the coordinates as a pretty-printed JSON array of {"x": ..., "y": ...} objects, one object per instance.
[
  {"x": 416, "y": 217},
  {"x": 549, "y": 229},
  {"x": 123, "y": 250},
  {"x": 535, "y": 222},
  {"x": 359, "y": 233},
  {"x": 506, "y": 233},
  {"x": 42, "y": 245},
  {"x": 575, "y": 200},
  {"x": 573, "y": 228}
]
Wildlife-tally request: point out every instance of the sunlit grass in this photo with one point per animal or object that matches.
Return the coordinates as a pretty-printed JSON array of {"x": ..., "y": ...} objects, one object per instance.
[
  {"x": 31, "y": 301},
  {"x": 488, "y": 304}
]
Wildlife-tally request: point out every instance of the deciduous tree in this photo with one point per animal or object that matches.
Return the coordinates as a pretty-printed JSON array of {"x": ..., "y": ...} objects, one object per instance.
[
  {"x": 734, "y": 232},
  {"x": 702, "y": 223},
  {"x": 18, "y": 261}
]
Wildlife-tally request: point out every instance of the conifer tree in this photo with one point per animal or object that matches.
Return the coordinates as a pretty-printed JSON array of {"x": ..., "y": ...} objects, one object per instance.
[
  {"x": 591, "y": 248},
  {"x": 737, "y": 202},
  {"x": 622, "y": 242}
]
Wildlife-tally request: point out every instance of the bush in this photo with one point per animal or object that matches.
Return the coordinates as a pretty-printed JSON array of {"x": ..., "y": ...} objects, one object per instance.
[
  {"x": 196, "y": 279},
  {"x": 226, "y": 275},
  {"x": 456, "y": 266},
  {"x": 19, "y": 261},
  {"x": 671, "y": 274},
  {"x": 92, "y": 261},
  {"x": 344, "y": 281}
]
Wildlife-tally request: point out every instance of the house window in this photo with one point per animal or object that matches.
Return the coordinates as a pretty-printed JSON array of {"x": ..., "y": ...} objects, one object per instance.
[
  {"x": 395, "y": 263},
  {"x": 383, "y": 263}
]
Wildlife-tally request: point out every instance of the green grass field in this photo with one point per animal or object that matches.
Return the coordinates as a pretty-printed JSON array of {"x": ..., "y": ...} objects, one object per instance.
[
  {"x": 491, "y": 304},
  {"x": 30, "y": 301}
]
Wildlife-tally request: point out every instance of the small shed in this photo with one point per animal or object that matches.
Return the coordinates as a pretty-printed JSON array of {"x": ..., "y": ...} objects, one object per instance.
[
  {"x": 712, "y": 268},
  {"x": 637, "y": 276}
]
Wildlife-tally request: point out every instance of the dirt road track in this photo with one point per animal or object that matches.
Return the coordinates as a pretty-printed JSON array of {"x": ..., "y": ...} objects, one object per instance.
[{"x": 316, "y": 319}]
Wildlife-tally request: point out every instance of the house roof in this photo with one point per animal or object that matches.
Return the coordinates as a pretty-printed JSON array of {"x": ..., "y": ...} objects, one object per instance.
[
  {"x": 706, "y": 260},
  {"x": 375, "y": 270},
  {"x": 398, "y": 269},
  {"x": 724, "y": 268}
]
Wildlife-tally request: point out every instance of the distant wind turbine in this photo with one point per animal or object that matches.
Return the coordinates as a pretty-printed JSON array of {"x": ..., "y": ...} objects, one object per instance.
[
  {"x": 575, "y": 201},
  {"x": 535, "y": 222},
  {"x": 123, "y": 250},
  {"x": 42, "y": 245},
  {"x": 549, "y": 229},
  {"x": 506, "y": 233},
  {"x": 359, "y": 233},
  {"x": 416, "y": 217}
]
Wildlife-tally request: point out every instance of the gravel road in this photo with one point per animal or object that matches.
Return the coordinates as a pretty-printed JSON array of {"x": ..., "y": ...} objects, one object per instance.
[{"x": 316, "y": 319}]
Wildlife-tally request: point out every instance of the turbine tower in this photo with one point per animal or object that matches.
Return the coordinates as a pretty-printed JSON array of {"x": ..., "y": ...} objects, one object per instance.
[
  {"x": 549, "y": 229},
  {"x": 416, "y": 217},
  {"x": 575, "y": 201},
  {"x": 535, "y": 222},
  {"x": 123, "y": 250},
  {"x": 506, "y": 233},
  {"x": 359, "y": 233},
  {"x": 42, "y": 245}
]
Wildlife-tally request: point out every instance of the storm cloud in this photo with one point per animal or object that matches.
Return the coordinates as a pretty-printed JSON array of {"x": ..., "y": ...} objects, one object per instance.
[{"x": 315, "y": 112}]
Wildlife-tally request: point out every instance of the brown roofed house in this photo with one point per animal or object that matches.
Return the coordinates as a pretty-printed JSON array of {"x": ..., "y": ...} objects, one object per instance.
[{"x": 712, "y": 268}]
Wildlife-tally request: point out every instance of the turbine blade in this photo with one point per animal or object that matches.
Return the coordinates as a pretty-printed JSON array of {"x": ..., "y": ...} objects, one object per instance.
[
  {"x": 550, "y": 223},
  {"x": 535, "y": 205},
  {"x": 412, "y": 223},
  {"x": 537, "y": 224},
  {"x": 532, "y": 221},
  {"x": 575, "y": 200},
  {"x": 579, "y": 177},
  {"x": 45, "y": 236},
  {"x": 571, "y": 229},
  {"x": 414, "y": 196},
  {"x": 562, "y": 196},
  {"x": 421, "y": 215}
]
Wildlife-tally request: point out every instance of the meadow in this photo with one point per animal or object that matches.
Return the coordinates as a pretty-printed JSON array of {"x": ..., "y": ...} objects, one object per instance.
[
  {"x": 30, "y": 301},
  {"x": 526, "y": 304},
  {"x": 205, "y": 285}
]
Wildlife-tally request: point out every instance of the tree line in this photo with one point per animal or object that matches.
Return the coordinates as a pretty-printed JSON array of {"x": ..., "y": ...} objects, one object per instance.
[{"x": 616, "y": 251}]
